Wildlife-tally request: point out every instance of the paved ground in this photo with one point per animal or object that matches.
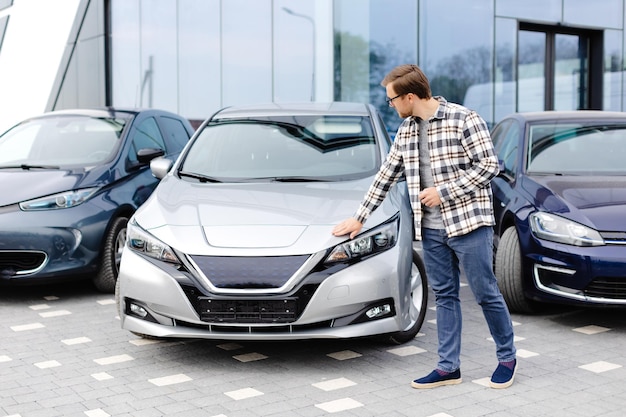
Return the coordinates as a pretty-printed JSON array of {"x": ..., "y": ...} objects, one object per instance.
[{"x": 62, "y": 353}]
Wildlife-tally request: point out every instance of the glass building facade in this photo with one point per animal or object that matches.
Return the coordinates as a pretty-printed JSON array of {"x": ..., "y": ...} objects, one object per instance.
[{"x": 196, "y": 56}]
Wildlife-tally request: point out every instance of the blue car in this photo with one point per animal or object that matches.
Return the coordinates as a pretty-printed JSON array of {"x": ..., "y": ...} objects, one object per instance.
[
  {"x": 69, "y": 182},
  {"x": 560, "y": 206}
]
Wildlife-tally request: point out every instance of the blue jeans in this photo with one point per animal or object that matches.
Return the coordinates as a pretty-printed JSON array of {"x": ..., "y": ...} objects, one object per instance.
[{"x": 474, "y": 253}]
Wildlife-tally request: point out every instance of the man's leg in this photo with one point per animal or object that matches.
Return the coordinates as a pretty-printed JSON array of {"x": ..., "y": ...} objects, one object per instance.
[
  {"x": 475, "y": 252},
  {"x": 442, "y": 270}
]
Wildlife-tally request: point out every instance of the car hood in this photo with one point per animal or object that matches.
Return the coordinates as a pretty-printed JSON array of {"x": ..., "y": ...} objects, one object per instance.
[
  {"x": 598, "y": 202},
  {"x": 23, "y": 185},
  {"x": 266, "y": 218}
]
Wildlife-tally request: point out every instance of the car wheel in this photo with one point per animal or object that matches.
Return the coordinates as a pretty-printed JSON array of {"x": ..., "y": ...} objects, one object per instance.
[
  {"x": 111, "y": 256},
  {"x": 508, "y": 270},
  {"x": 418, "y": 304}
]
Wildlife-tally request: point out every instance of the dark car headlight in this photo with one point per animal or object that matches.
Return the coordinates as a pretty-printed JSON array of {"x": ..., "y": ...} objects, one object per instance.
[
  {"x": 139, "y": 240},
  {"x": 559, "y": 229},
  {"x": 373, "y": 241},
  {"x": 59, "y": 201}
]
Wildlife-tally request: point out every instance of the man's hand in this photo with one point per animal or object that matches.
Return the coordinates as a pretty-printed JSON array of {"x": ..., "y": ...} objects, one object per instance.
[
  {"x": 349, "y": 226},
  {"x": 430, "y": 197}
]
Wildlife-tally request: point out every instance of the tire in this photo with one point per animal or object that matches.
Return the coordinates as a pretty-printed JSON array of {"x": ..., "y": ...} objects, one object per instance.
[
  {"x": 114, "y": 242},
  {"x": 418, "y": 304},
  {"x": 508, "y": 271}
]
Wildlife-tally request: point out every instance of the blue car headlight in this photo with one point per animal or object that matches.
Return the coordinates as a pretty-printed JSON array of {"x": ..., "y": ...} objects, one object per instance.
[
  {"x": 59, "y": 201},
  {"x": 559, "y": 229},
  {"x": 379, "y": 239},
  {"x": 139, "y": 240}
]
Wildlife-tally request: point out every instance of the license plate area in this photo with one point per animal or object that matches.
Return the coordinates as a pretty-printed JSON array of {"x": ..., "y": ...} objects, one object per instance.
[{"x": 283, "y": 310}]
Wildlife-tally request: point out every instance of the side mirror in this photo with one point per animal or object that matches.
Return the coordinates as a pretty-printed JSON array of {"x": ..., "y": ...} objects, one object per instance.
[
  {"x": 145, "y": 155},
  {"x": 160, "y": 167}
]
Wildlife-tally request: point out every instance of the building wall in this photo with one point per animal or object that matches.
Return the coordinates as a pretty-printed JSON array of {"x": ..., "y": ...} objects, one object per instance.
[{"x": 196, "y": 56}]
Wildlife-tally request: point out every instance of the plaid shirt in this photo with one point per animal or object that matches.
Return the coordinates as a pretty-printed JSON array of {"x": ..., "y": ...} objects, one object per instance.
[{"x": 463, "y": 163}]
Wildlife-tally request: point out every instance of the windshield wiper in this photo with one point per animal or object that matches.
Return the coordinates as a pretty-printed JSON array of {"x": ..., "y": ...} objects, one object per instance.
[
  {"x": 291, "y": 179},
  {"x": 29, "y": 167},
  {"x": 199, "y": 177}
]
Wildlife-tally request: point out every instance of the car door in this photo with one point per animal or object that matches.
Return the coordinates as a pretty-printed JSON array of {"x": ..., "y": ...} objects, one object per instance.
[{"x": 506, "y": 138}]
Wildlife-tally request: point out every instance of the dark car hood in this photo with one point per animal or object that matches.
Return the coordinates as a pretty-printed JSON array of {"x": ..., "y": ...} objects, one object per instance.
[
  {"x": 598, "y": 202},
  {"x": 22, "y": 185}
]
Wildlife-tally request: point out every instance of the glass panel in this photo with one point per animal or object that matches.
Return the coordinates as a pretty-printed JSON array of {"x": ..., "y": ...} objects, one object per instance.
[
  {"x": 199, "y": 51},
  {"x": 531, "y": 71},
  {"x": 294, "y": 50},
  {"x": 83, "y": 84},
  {"x": 542, "y": 10},
  {"x": 389, "y": 48},
  {"x": 605, "y": 13},
  {"x": 452, "y": 60},
  {"x": 159, "y": 73},
  {"x": 613, "y": 74},
  {"x": 176, "y": 134},
  {"x": 125, "y": 53},
  {"x": 246, "y": 51},
  {"x": 505, "y": 93},
  {"x": 352, "y": 69},
  {"x": 570, "y": 72}
]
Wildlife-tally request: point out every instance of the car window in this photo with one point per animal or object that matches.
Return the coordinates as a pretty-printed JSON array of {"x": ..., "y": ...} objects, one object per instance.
[
  {"x": 316, "y": 147},
  {"x": 506, "y": 143},
  {"x": 147, "y": 135},
  {"x": 577, "y": 148},
  {"x": 64, "y": 140},
  {"x": 176, "y": 134}
]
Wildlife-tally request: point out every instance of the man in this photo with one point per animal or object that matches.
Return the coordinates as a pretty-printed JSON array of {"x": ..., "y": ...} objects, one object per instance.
[{"x": 447, "y": 156}]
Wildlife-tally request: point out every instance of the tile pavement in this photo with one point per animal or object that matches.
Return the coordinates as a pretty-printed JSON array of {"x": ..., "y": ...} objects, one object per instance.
[{"x": 62, "y": 353}]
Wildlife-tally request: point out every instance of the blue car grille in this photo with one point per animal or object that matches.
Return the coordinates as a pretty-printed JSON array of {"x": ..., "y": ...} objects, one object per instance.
[
  {"x": 249, "y": 272},
  {"x": 611, "y": 288}
]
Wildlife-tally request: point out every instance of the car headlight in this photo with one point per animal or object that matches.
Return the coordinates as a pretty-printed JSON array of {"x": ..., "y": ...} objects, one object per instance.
[
  {"x": 139, "y": 240},
  {"x": 558, "y": 229},
  {"x": 374, "y": 241},
  {"x": 59, "y": 201}
]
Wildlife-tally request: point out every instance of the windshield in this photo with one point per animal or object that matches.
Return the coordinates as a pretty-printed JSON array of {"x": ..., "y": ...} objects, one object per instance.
[
  {"x": 60, "y": 141},
  {"x": 577, "y": 149},
  {"x": 308, "y": 148}
]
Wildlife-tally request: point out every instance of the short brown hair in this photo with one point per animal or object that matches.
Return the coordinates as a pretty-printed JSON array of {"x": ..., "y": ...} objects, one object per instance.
[{"x": 407, "y": 79}]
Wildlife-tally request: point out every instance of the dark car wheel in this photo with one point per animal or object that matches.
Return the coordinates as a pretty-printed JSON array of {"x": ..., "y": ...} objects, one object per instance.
[
  {"x": 111, "y": 256},
  {"x": 508, "y": 270},
  {"x": 418, "y": 304}
]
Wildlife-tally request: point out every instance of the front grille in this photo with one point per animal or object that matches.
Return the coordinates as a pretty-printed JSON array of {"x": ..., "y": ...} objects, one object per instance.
[
  {"x": 20, "y": 262},
  {"x": 249, "y": 272},
  {"x": 249, "y": 311},
  {"x": 612, "y": 288},
  {"x": 614, "y": 238},
  {"x": 268, "y": 309}
]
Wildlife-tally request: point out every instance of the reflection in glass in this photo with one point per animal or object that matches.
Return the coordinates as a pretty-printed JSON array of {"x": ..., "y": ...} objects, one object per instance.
[
  {"x": 571, "y": 72},
  {"x": 531, "y": 71}
]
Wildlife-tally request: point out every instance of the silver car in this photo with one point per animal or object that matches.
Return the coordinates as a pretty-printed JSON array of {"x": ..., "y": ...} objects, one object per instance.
[{"x": 235, "y": 242}]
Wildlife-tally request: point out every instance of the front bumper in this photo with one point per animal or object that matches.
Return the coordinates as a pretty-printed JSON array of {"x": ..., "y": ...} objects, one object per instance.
[
  {"x": 50, "y": 245},
  {"x": 578, "y": 275},
  {"x": 330, "y": 307}
]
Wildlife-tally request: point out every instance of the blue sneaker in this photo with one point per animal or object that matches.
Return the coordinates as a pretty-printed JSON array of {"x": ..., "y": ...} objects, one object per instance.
[
  {"x": 503, "y": 376},
  {"x": 435, "y": 379}
]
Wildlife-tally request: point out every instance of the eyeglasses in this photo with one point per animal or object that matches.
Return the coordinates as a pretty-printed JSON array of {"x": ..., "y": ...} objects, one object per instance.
[{"x": 390, "y": 100}]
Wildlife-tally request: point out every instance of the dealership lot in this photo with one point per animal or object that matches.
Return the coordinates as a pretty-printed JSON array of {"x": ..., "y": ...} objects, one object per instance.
[{"x": 63, "y": 354}]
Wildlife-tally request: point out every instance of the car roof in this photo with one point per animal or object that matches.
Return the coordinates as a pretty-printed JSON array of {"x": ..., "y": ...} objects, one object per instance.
[
  {"x": 104, "y": 112},
  {"x": 544, "y": 116},
  {"x": 310, "y": 108}
]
